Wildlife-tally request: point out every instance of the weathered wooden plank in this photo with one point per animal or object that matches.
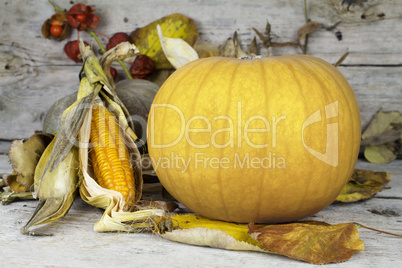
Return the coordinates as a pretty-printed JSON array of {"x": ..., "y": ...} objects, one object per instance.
[
  {"x": 74, "y": 236},
  {"x": 375, "y": 88},
  {"x": 4, "y": 147},
  {"x": 217, "y": 21},
  {"x": 35, "y": 73},
  {"x": 29, "y": 85},
  {"x": 368, "y": 29},
  {"x": 5, "y": 166}
]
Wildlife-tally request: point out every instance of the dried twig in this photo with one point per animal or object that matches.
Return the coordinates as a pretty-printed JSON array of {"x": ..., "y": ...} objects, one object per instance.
[
  {"x": 384, "y": 232},
  {"x": 339, "y": 62}
]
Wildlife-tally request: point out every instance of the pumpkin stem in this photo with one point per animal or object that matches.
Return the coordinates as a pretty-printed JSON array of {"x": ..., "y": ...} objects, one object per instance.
[{"x": 250, "y": 57}]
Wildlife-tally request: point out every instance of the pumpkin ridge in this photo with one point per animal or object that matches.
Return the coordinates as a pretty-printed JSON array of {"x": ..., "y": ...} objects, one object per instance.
[
  {"x": 194, "y": 105},
  {"x": 191, "y": 180},
  {"x": 346, "y": 98},
  {"x": 166, "y": 94},
  {"x": 309, "y": 68},
  {"x": 292, "y": 62},
  {"x": 262, "y": 180},
  {"x": 348, "y": 94},
  {"x": 313, "y": 74},
  {"x": 230, "y": 86}
]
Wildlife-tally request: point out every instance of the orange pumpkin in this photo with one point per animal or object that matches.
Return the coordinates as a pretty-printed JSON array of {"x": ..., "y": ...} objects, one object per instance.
[{"x": 264, "y": 140}]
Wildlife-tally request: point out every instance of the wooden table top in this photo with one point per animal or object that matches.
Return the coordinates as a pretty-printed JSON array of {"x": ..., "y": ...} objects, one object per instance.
[{"x": 75, "y": 244}]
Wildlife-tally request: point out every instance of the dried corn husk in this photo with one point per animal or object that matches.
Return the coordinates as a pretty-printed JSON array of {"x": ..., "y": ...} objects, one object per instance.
[
  {"x": 55, "y": 190},
  {"x": 176, "y": 50}
]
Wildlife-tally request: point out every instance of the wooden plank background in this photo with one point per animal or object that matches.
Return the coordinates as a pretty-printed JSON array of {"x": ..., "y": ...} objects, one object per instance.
[{"x": 34, "y": 72}]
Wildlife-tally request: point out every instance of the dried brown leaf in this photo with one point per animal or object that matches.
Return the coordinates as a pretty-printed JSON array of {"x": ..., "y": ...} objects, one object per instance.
[
  {"x": 197, "y": 230},
  {"x": 364, "y": 176},
  {"x": 353, "y": 192},
  {"x": 228, "y": 49},
  {"x": 266, "y": 37},
  {"x": 232, "y": 48},
  {"x": 24, "y": 156},
  {"x": 253, "y": 48},
  {"x": 260, "y": 35},
  {"x": 381, "y": 123},
  {"x": 314, "y": 242},
  {"x": 363, "y": 185},
  {"x": 239, "y": 53},
  {"x": 384, "y": 137}
]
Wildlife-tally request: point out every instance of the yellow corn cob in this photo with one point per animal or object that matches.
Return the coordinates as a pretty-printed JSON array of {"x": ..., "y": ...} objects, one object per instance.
[{"x": 110, "y": 156}]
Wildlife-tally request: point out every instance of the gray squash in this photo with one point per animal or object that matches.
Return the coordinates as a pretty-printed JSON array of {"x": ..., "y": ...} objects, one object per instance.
[{"x": 136, "y": 94}]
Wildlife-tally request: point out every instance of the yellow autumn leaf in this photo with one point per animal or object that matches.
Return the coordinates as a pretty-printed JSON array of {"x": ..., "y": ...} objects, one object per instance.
[
  {"x": 381, "y": 154},
  {"x": 201, "y": 231},
  {"x": 313, "y": 242},
  {"x": 172, "y": 26},
  {"x": 363, "y": 185}
]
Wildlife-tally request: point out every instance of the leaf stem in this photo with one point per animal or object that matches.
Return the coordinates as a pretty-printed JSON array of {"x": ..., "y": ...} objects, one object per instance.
[
  {"x": 104, "y": 35},
  {"x": 55, "y": 7},
  {"x": 104, "y": 50},
  {"x": 97, "y": 40},
  {"x": 125, "y": 69},
  {"x": 273, "y": 44},
  {"x": 384, "y": 232},
  {"x": 307, "y": 20}
]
